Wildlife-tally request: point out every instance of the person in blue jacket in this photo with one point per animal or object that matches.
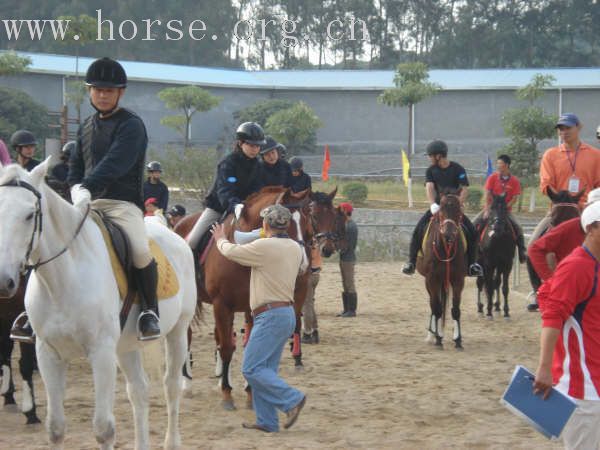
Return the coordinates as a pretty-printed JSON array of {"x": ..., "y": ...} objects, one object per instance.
[{"x": 238, "y": 176}]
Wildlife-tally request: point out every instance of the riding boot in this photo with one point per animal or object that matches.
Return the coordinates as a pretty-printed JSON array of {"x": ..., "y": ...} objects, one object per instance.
[
  {"x": 345, "y": 302},
  {"x": 352, "y": 301},
  {"x": 21, "y": 330},
  {"x": 415, "y": 244},
  {"x": 148, "y": 323}
]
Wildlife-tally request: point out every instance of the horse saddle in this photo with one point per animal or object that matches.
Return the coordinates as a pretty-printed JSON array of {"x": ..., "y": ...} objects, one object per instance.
[
  {"x": 121, "y": 261},
  {"x": 463, "y": 237}
]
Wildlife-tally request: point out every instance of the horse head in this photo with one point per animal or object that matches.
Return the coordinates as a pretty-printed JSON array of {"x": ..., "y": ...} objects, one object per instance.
[
  {"x": 498, "y": 218},
  {"x": 450, "y": 214},
  {"x": 329, "y": 222},
  {"x": 21, "y": 224},
  {"x": 565, "y": 206}
]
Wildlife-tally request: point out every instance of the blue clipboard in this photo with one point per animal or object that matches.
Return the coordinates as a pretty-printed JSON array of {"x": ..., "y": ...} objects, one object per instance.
[{"x": 548, "y": 416}]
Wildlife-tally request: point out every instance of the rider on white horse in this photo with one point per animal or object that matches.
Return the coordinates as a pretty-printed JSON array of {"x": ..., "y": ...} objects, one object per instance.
[{"x": 107, "y": 169}]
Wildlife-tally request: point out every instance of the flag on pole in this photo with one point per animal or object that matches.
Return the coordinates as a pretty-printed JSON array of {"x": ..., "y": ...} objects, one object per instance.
[
  {"x": 326, "y": 164},
  {"x": 405, "y": 168},
  {"x": 490, "y": 169}
]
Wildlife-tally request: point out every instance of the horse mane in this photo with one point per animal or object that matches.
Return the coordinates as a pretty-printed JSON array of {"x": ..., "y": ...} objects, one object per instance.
[{"x": 266, "y": 190}]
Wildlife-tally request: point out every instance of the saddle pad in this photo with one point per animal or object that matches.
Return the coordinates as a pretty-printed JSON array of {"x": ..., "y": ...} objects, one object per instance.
[
  {"x": 168, "y": 284},
  {"x": 463, "y": 238}
]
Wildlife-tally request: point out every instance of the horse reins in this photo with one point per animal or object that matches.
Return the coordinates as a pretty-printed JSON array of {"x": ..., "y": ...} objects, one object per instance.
[
  {"x": 449, "y": 249},
  {"x": 37, "y": 227}
]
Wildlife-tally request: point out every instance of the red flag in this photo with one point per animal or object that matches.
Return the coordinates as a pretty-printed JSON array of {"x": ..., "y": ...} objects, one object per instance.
[{"x": 326, "y": 164}]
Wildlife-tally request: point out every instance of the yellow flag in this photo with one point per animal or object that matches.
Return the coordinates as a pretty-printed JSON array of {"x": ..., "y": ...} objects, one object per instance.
[{"x": 405, "y": 168}]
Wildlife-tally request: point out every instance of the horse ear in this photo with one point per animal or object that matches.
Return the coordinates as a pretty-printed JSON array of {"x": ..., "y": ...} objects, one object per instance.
[
  {"x": 39, "y": 172},
  {"x": 551, "y": 195},
  {"x": 332, "y": 194},
  {"x": 578, "y": 196}
]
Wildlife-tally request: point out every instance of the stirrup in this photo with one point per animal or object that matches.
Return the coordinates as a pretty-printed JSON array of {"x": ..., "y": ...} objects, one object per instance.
[
  {"x": 140, "y": 336},
  {"x": 19, "y": 333}
]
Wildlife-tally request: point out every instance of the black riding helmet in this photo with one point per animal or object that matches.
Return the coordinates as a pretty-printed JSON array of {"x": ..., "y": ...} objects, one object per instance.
[
  {"x": 437, "y": 147},
  {"x": 251, "y": 132},
  {"x": 296, "y": 163},
  {"x": 21, "y": 138},
  {"x": 270, "y": 144},
  {"x": 154, "y": 166},
  {"x": 106, "y": 72}
]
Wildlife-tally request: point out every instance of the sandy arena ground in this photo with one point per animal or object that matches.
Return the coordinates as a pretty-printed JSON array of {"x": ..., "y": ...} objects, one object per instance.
[{"x": 372, "y": 383}]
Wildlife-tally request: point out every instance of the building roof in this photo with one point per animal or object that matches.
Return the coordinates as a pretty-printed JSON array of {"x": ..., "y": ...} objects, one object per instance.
[{"x": 351, "y": 80}]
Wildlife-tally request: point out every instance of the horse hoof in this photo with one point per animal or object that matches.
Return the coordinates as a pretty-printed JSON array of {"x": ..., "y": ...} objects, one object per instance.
[
  {"x": 31, "y": 420},
  {"x": 458, "y": 346},
  {"x": 507, "y": 317},
  {"x": 299, "y": 368},
  {"x": 489, "y": 317},
  {"x": 228, "y": 405},
  {"x": 9, "y": 400}
]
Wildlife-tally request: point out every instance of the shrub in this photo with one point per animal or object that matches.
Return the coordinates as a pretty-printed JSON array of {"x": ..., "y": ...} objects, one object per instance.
[
  {"x": 356, "y": 192},
  {"x": 474, "y": 197}
]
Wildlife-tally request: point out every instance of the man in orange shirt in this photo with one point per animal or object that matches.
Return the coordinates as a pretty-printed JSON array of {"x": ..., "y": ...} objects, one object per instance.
[{"x": 572, "y": 166}]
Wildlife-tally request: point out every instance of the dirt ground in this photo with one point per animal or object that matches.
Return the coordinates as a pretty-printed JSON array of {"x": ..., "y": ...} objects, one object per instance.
[{"x": 372, "y": 382}]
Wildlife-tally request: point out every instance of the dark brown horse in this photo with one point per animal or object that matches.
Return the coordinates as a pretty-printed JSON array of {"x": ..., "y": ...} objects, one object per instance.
[
  {"x": 565, "y": 206},
  {"x": 9, "y": 309},
  {"x": 226, "y": 283},
  {"x": 444, "y": 266},
  {"x": 496, "y": 254}
]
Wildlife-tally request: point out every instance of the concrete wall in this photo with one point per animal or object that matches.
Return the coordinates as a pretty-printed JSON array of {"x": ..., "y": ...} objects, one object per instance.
[{"x": 354, "y": 123}]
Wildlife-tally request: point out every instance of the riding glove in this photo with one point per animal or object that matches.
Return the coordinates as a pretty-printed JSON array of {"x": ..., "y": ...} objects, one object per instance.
[{"x": 80, "y": 196}]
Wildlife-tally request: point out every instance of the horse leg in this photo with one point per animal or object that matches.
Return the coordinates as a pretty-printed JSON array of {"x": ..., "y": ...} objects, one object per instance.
[
  {"x": 224, "y": 323},
  {"x": 26, "y": 365},
  {"x": 176, "y": 354},
  {"x": 7, "y": 387},
  {"x": 497, "y": 280},
  {"x": 137, "y": 391},
  {"x": 456, "y": 318},
  {"x": 489, "y": 291},
  {"x": 53, "y": 371},
  {"x": 104, "y": 370},
  {"x": 480, "y": 286},
  {"x": 296, "y": 345},
  {"x": 505, "y": 288},
  {"x": 187, "y": 367},
  {"x": 435, "y": 321}
]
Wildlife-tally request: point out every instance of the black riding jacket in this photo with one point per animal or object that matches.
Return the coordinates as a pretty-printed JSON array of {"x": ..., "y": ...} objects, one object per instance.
[
  {"x": 237, "y": 177},
  {"x": 278, "y": 174},
  {"x": 109, "y": 157}
]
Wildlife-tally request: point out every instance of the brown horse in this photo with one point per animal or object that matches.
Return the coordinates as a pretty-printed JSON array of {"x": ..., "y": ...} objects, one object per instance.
[
  {"x": 444, "y": 267},
  {"x": 565, "y": 206},
  {"x": 226, "y": 283},
  {"x": 9, "y": 310}
]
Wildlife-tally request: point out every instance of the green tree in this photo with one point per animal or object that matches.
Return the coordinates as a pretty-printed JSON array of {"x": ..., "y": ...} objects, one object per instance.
[
  {"x": 411, "y": 88},
  {"x": 527, "y": 127},
  {"x": 261, "y": 111},
  {"x": 18, "y": 110},
  {"x": 295, "y": 127},
  {"x": 190, "y": 168},
  {"x": 82, "y": 30},
  {"x": 13, "y": 64},
  {"x": 189, "y": 100}
]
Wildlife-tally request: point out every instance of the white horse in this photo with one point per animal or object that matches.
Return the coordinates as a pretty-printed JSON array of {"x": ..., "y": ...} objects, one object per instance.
[{"x": 73, "y": 304}]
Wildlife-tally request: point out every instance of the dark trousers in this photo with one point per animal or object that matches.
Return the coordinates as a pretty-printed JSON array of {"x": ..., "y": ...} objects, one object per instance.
[{"x": 419, "y": 233}]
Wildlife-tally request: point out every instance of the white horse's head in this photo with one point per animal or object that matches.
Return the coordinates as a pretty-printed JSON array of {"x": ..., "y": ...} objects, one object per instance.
[{"x": 20, "y": 221}]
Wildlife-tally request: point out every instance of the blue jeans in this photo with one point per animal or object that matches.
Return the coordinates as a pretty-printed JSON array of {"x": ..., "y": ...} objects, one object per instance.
[{"x": 262, "y": 355}]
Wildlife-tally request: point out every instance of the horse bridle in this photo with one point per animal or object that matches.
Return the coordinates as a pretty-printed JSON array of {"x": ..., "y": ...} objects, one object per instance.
[{"x": 37, "y": 226}]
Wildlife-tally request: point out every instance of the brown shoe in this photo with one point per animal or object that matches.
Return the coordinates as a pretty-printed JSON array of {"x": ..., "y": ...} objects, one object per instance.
[
  {"x": 254, "y": 426},
  {"x": 292, "y": 414}
]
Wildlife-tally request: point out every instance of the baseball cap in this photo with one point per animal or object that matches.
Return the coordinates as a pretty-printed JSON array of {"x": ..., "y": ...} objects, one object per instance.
[
  {"x": 568, "y": 120},
  {"x": 590, "y": 215},
  {"x": 151, "y": 201},
  {"x": 347, "y": 207},
  {"x": 177, "y": 210},
  {"x": 277, "y": 216}
]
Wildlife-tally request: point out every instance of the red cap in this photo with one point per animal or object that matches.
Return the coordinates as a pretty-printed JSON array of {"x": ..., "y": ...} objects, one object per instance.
[
  {"x": 347, "y": 207},
  {"x": 151, "y": 201}
]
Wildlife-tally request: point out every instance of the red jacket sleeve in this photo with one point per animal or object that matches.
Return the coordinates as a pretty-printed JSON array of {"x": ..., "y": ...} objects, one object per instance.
[
  {"x": 537, "y": 255},
  {"x": 571, "y": 284}
]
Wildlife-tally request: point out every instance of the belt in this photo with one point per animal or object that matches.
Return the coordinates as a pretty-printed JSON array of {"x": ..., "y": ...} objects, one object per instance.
[{"x": 267, "y": 306}]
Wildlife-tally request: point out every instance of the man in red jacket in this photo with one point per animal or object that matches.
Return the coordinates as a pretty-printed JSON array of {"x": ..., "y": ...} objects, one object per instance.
[
  {"x": 556, "y": 244},
  {"x": 569, "y": 342}
]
